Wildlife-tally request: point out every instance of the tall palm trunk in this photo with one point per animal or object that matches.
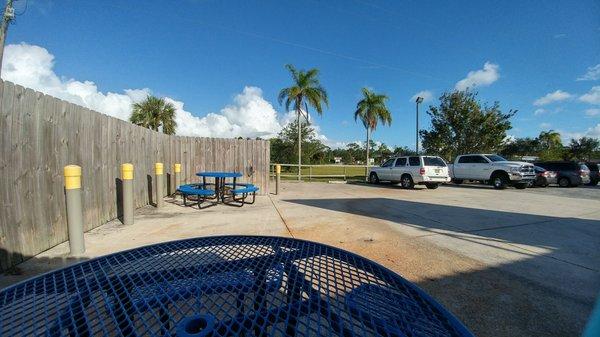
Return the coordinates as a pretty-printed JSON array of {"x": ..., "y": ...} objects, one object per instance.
[
  {"x": 368, "y": 141},
  {"x": 299, "y": 148}
]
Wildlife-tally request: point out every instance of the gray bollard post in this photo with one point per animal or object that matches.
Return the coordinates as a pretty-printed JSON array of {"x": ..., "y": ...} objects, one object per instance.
[
  {"x": 277, "y": 178},
  {"x": 158, "y": 170},
  {"x": 127, "y": 181},
  {"x": 72, "y": 175},
  {"x": 177, "y": 172}
]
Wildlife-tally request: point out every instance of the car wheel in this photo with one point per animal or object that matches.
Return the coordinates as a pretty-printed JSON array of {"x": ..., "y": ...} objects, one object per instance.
[
  {"x": 564, "y": 182},
  {"x": 499, "y": 181},
  {"x": 407, "y": 182},
  {"x": 432, "y": 186},
  {"x": 457, "y": 181},
  {"x": 592, "y": 183},
  {"x": 373, "y": 178},
  {"x": 521, "y": 186}
]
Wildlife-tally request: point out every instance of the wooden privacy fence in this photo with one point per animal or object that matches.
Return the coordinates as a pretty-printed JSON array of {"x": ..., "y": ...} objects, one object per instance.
[{"x": 40, "y": 134}]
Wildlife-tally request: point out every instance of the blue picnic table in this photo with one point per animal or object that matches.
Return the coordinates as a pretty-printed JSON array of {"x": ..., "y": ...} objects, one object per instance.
[
  {"x": 220, "y": 181},
  {"x": 224, "y": 286}
]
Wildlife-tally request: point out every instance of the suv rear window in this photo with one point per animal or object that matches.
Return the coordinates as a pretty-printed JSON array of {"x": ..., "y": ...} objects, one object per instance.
[
  {"x": 414, "y": 161},
  {"x": 592, "y": 166},
  {"x": 433, "y": 161}
]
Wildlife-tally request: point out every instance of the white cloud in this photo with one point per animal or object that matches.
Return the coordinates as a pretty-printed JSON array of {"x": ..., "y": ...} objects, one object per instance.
[
  {"x": 540, "y": 111},
  {"x": 592, "y": 97},
  {"x": 592, "y": 74},
  {"x": 592, "y": 112},
  {"x": 510, "y": 139},
  {"x": 593, "y": 132},
  {"x": 32, "y": 67},
  {"x": 250, "y": 115},
  {"x": 482, "y": 77},
  {"x": 552, "y": 97},
  {"x": 545, "y": 126},
  {"x": 426, "y": 94},
  {"x": 560, "y": 36}
]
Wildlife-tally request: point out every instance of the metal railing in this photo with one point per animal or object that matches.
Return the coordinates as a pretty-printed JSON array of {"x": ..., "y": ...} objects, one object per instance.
[{"x": 319, "y": 172}]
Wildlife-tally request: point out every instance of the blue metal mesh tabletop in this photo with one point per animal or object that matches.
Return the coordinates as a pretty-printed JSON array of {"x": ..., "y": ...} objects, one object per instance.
[{"x": 224, "y": 286}]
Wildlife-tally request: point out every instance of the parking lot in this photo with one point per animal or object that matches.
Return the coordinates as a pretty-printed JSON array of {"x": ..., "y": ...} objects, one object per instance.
[
  {"x": 505, "y": 262},
  {"x": 508, "y": 263}
]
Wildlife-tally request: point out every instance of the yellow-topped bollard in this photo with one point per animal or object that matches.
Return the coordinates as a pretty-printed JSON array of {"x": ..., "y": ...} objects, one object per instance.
[
  {"x": 277, "y": 178},
  {"x": 159, "y": 174},
  {"x": 177, "y": 172},
  {"x": 72, "y": 175},
  {"x": 127, "y": 189},
  {"x": 158, "y": 168},
  {"x": 127, "y": 171}
]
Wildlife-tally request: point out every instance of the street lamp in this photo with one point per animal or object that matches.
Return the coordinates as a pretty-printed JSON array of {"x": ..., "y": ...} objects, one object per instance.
[{"x": 418, "y": 101}]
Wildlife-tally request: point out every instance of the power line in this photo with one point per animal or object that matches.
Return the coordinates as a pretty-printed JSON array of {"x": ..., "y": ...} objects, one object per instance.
[{"x": 303, "y": 46}]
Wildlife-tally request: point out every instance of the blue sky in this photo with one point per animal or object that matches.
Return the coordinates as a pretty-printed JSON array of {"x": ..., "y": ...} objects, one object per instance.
[{"x": 204, "y": 53}]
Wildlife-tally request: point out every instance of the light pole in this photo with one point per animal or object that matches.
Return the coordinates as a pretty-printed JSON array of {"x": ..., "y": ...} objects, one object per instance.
[
  {"x": 419, "y": 100},
  {"x": 7, "y": 17}
]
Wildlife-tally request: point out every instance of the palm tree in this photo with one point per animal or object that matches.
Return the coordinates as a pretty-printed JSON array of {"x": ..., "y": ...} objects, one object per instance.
[
  {"x": 154, "y": 112},
  {"x": 305, "y": 90},
  {"x": 371, "y": 110},
  {"x": 550, "y": 138}
]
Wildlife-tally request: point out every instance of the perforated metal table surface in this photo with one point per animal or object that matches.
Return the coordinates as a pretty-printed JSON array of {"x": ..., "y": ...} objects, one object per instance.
[{"x": 224, "y": 286}]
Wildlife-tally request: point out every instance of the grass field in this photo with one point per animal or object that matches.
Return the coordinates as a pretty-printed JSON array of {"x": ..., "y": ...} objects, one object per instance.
[{"x": 324, "y": 173}]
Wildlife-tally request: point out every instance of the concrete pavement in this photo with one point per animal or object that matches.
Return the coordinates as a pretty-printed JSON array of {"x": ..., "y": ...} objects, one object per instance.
[{"x": 507, "y": 263}]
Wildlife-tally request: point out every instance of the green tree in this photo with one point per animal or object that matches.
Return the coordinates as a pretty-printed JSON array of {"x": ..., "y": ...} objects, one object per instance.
[
  {"x": 371, "y": 110},
  {"x": 306, "y": 90},
  {"x": 382, "y": 152},
  {"x": 521, "y": 147},
  {"x": 460, "y": 124},
  {"x": 284, "y": 146},
  {"x": 355, "y": 151},
  {"x": 404, "y": 151},
  {"x": 551, "y": 147},
  {"x": 583, "y": 148},
  {"x": 154, "y": 113}
]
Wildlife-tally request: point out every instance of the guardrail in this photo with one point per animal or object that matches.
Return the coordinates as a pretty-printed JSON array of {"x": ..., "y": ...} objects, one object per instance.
[{"x": 318, "y": 172}]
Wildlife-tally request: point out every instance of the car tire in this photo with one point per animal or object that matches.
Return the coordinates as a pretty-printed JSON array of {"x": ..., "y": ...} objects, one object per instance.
[
  {"x": 457, "y": 181},
  {"x": 499, "y": 181},
  {"x": 592, "y": 183},
  {"x": 521, "y": 186},
  {"x": 407, "y": 182},
  {"x": 373, "y": 178},
  {"x": 432, "y": 186},
  {"x": 564, "y": 182}
]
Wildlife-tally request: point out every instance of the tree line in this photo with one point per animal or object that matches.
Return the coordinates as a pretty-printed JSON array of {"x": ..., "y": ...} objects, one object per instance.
[{"x": 460, "y": 123}]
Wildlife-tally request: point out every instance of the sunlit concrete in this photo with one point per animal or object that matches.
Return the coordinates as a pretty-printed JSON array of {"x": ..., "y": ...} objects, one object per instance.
[{"x": 507, "y": 263}]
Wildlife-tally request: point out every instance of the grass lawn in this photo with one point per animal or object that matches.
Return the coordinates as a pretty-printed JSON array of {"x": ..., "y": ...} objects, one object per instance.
[{"x": 351, "y": 172}]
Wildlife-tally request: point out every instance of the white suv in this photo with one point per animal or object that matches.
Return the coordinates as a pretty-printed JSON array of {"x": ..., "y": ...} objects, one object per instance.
[{"x": 430, "y": 171}]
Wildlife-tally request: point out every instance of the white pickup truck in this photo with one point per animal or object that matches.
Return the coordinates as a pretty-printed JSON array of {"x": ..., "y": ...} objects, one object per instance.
[{"x": 492, "y": 169}]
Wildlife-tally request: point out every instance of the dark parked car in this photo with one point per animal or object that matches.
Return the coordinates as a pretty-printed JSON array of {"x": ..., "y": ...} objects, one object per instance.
[
  {"x": 568, "y": 173},
  {"x": 543, "y": 177},
  {"x": 594, "y": 175}
]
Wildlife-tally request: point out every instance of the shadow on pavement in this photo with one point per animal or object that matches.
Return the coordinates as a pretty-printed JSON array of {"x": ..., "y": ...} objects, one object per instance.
[{"x": 542, "y": 274}]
